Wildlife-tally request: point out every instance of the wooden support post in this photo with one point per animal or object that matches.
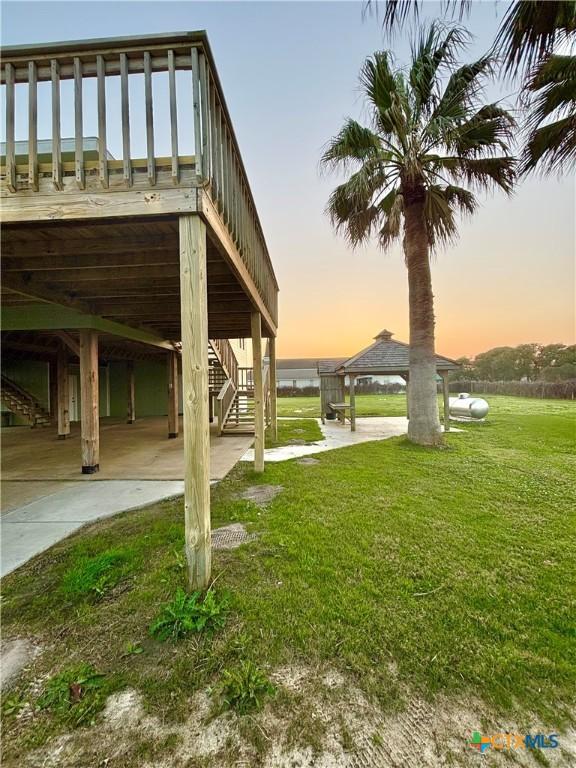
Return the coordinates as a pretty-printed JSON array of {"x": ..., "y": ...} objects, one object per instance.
[
  {"x": 352, "y": 403},
  {"x": 273, "y": 390},
  {"x": 446, "y": 393},
  {"x": 63, "y": 395},
  {"x": 172, "y": 394},
  {"x": 130, "y": 392},
  {"x": 194, "y": 318},
  {"x": 256, "y": 325},
  {"x": 407, "y": 380},
  {"x": 53, "y": 391},
  {"x": 89, "y": 412}
]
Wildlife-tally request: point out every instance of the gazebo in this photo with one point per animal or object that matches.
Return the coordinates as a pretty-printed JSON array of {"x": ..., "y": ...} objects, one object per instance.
[{"x": 385, "y": 357}]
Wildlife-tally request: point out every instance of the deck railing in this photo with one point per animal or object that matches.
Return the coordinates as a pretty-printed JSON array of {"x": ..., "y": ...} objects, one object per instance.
[{"x": 216, "y": 164}]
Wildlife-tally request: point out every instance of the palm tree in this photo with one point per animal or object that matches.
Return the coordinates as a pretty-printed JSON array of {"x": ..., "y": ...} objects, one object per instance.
[
  {"x": 430, "y": 145},
  {"x": 527, "y": 37}
]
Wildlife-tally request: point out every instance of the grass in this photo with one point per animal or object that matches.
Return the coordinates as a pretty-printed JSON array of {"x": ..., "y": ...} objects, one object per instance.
[
  {"x": 413, "y": 571},
  {"x": 295, "y": 431}
]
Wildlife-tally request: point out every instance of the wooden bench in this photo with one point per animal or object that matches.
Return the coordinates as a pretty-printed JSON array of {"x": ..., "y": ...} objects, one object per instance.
[{"x": 340, "y": 409}]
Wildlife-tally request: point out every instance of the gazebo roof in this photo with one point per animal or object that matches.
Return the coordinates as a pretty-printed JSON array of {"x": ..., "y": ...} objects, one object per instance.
[{"x": 384, "y": 356}]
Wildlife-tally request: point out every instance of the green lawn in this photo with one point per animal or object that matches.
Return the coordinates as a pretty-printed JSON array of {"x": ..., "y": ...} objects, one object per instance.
[
  {"x": 294, "y": 431},
  {"x": 414, "y": 572},
  {"x": 395, "y": 405}
]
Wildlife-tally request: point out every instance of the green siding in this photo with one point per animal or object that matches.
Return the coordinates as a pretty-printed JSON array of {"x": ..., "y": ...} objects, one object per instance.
[{"x": 150, "y": 386}]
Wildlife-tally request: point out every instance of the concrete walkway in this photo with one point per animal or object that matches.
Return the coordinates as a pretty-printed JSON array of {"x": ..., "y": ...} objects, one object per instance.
[
  {"x": 337, "y": 435},
  {"x": 35, "y": 527},
  {"x": 45, "y": 498}
]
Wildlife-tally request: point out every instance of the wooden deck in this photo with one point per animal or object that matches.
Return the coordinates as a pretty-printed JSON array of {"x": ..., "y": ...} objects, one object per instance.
[{"x": 141, "y": 255}]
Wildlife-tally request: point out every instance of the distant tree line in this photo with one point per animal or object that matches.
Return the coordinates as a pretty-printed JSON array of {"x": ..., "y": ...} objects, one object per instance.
[{"x": 526, "y": 362}]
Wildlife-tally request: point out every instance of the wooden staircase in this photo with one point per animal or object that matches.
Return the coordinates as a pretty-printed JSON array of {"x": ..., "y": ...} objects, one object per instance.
[
  {"x": 23, "y": 404},
  {"x": 240, "y": 418}
]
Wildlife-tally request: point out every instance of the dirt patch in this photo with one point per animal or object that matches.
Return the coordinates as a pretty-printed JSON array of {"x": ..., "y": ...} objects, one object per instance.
[
  {"x": 261, "y": 494},
  {"x": 15, "y": 655},
  {"x": 307, "y": 461},
  {"x": 350, "y": 732}
]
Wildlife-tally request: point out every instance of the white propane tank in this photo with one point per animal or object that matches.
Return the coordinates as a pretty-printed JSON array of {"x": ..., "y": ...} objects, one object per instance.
[{"x": 468, "y": 408}]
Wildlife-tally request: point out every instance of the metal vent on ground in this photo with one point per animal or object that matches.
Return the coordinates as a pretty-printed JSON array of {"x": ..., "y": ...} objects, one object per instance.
[{"x": 231, "y": 536}]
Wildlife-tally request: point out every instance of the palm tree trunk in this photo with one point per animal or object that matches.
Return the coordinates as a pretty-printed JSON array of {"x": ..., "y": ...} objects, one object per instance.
[{"x": 424, "y": 423}]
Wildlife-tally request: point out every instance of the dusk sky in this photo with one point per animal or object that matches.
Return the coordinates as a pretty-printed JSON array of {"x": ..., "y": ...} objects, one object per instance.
[{"x": 290, "y": 77}]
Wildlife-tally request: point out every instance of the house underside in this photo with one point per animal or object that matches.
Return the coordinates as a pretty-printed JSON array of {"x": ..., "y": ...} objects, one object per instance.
[{"x": 135, "y": 271}]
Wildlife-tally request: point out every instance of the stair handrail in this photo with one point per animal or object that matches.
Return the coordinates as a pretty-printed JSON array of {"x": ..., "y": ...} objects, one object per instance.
[
  {"x": 227, "y": 358},
  {"x": 224, "y": 401},
  {"x": 9, "y": 384}
]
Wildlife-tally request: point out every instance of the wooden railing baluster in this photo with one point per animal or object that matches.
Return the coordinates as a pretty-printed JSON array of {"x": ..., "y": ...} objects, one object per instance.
[
  {"x": 56, "y": 139},
  {"x": 32, "y": 126},
  {"x": 151, "y": 165},
  {"x": 195, "y": 65},
  {"x": 78, "y": 125},
  {"x": 173, "y": 116},
  {"x": 10, "y": 140},
  {"x": 102, "y": 149},
  {"x": 125, "y": 106},
  {"x": 205, "y": 126}
]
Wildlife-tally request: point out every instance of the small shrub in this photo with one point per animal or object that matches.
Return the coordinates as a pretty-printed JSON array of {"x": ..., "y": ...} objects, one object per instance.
[
  {"x": 93, "y": 576},
  {"x": 75, "y": 695},
  {"x": 244, "y": 688},
  {"x": 189, "y": 613}
]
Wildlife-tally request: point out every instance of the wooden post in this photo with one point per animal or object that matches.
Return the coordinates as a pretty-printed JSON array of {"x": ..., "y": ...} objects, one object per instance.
[
  {"x": 273, "y": 390},
  {"x": 194, "y": 317},
  {"x": 172, "y": 394},
  {"x": 53, "y": 391},
  {"x": 407, "y": 380},
  {"x": 352, "y": 403},
  {"x": 63, "y": 395},
  {"x": 258, "y": 392},
  {"x": 130, "y": 392},
  {"x": 89, "y": 414},
  {"x": 446, "y": 393}
]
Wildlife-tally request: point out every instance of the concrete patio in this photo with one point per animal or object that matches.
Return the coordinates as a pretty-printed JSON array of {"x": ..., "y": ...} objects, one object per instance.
[{"x": 45, "y": 497}]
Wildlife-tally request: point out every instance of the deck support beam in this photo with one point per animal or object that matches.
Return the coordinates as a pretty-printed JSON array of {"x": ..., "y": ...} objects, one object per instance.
[
  {"x": 130, "y": 393},
  {"x": 172, "y": 361},
  {"x": 273, "y": 390},
  {"x": 256, "y": 326},
  {"x": 89, "y": 411},
  {"x": 352, "y": 403},
  {"x": 446, "y": 396},
  {"x": 194, "y": 317},
  {"x": 62, "y": 393}
]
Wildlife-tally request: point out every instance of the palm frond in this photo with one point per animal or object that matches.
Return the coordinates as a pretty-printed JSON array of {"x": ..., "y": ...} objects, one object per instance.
[
  {"x": 396, "y": 12},
  {"x": 551, "y": 141},
  {"x": 551, "y": 147},
  {"x": 354, "y": 143},
  {"x": 392, "y": 211},
  {"x": 530, "y": 30},
  {"x": 431, "y": 52},
  {"x": 387, "y": 93},
  {"x": 490, "y": 129}
]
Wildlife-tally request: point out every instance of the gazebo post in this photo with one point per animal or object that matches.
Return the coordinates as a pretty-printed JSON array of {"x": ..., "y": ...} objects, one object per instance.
[
  {"x": 446, "y": 394},
  {"x": 352, "y": 403},
  {"x": 406, "y": 378}
]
